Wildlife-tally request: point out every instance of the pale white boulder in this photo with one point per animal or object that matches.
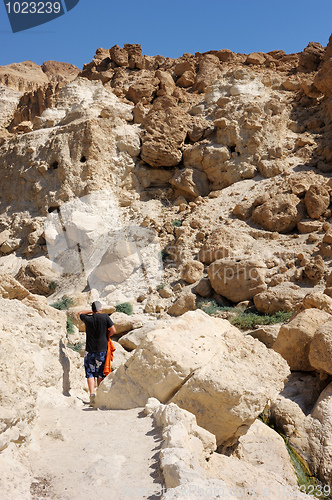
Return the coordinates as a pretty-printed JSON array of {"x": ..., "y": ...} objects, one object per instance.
[{"x": 204, "y": 365}]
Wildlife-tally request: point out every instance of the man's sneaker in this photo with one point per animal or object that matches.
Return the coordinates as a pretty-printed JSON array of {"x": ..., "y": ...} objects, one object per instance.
[{"x": 92, "y": 399}]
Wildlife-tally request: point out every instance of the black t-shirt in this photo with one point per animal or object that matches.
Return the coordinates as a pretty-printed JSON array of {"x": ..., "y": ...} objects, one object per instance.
[{"x": 96, "y": 326}]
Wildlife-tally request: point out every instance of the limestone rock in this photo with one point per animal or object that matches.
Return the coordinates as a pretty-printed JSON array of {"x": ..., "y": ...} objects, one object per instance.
[
  {"x": 280, "y": 213},
  {"x": 317, "y": 300},
  {"x": 204, "y": 288},
  {"x": 314, "y": 270},
  {"x": 24, "y": 76},
  {"x": 317, "y": 200},
  {"x": 266, "y": 334},
  {"x": 60, "y": 71},
  {"x": 167, "y": 84},
  {"x": 124, "y": 323},
  {"x": 256, "y": 58},
  {"x": 294, "y": 338},
  {"x": 119, "y": 55},
  {"x": 184, "y": 303},
  {"x": 278, "y": 298},
  {"x": 222, "y": 363},
  {"x": 166, "y": 129},
  {"x": 120, "y": 356},
  {"x": 9, "y": 100},
  {"x": 237, "y": 280},
  {"x": 37, "y": 340},
  {"x": 192, "y": 271},
  {"x": 224, "y": 242},
  {"x": 309, "y": 226},
  {"x": 11, "y": 289},
  {"x": 38, "y": 276},
  {"x": 208, "y": 72},
  {"x": 134, "y": 338},
  {"x": 260, "y": 444},
  {"x": 191, "y": 181},
  {"x": 320, "y": 354},
  {"x": 187, "y": 79},
  {"x": 323, "y": 78},
  {"x": 311, "y": 57},
  {"x": 320, "y": 436}
]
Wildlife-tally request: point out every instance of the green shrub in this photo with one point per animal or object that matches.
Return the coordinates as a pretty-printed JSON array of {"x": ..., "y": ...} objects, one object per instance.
[
  {"x": 248, "y": 320},
  {"x": 161, "y": 286},
  {"x": 125, "y": 307},
  {"x": 212, "y": 307},
  {"x": 75, "y": 347},
  {"x": 177, "y": 223},
  {"x": 63, "y": 303},
  {"x": 70, "y": 325},
  {"x": 52, "y": 285}
]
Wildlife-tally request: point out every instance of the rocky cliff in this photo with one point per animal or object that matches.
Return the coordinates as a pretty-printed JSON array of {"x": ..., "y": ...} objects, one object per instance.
[{"x": 174, "y": 184}]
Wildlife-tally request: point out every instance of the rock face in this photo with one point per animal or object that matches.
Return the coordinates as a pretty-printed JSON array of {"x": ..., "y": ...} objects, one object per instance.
[
  {"x": 199, "y": 374},
  {"x": 43, "y": 373},
  {"x": 23, "y": 76},
  {"x": 165, "y": 133}
]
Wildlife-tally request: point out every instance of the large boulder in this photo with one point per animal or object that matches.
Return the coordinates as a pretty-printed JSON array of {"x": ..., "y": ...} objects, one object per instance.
[
  {"x": 191, "y": 181},
  {"x": 311, "y": 57},
  {"x": 278, "y": 298},
  {"x": 294, "y": 338},
  {"x": 204, "y": 365},
  {"x": 317, "y": 200},
  {"x": 184, "y": 303},
  {"x": 38, "y": 276},
  {"x": 192, "y": 271},
  {"x": 320, "y": 354},
  {"x": 224, "y": 242},
  {"x": 238, "y": 279},
  {"x": 281, "y": 213}
]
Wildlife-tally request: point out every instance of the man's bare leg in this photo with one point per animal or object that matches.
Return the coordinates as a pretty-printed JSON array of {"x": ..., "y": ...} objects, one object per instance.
[
  {"x": 91, "y": 384},
  {"x": 99, "y": 381}
]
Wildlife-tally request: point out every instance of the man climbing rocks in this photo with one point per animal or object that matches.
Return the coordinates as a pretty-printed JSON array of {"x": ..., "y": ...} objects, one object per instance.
[{"x": 99, "y": 328}]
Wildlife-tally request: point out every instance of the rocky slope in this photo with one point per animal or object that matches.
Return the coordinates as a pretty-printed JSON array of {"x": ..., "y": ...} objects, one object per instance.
[{"x": 164, "y": 182}]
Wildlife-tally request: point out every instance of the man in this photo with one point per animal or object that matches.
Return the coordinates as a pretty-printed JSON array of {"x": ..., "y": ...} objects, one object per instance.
[{"x": 99, "y": 327}]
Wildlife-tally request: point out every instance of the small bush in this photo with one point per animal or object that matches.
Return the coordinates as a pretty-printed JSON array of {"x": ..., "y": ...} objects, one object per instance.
[
  {"x": 75, "y": 347},
  {"x": 211, "y": 307},
  {"x": 63, "y": 303},
  {"x": 70, "y": 326},
  {"x": 52, "y": 285},
  {"x": 161, "y": 286},
  {"x": 125, "y": 307},
  {"x": 249, "y": 320},
  {"x": 177, "y": 223}
]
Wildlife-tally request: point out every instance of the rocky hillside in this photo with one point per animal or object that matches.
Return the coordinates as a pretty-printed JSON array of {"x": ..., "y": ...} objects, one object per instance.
[{"x": 178, "y": 186}]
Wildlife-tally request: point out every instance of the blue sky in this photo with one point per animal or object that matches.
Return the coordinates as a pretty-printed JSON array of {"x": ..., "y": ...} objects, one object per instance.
[{"x": 169, "y": 28}]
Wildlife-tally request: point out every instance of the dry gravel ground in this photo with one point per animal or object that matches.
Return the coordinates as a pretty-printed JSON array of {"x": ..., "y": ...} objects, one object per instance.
[{"x": 82, "y": 453}]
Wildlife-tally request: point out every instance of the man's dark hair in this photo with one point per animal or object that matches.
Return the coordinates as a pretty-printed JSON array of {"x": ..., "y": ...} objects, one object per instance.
[{"x": 96, "y": 306}]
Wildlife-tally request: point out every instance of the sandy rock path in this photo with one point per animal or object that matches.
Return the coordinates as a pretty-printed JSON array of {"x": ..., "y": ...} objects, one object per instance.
[{"x": 81, "y": 453}]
